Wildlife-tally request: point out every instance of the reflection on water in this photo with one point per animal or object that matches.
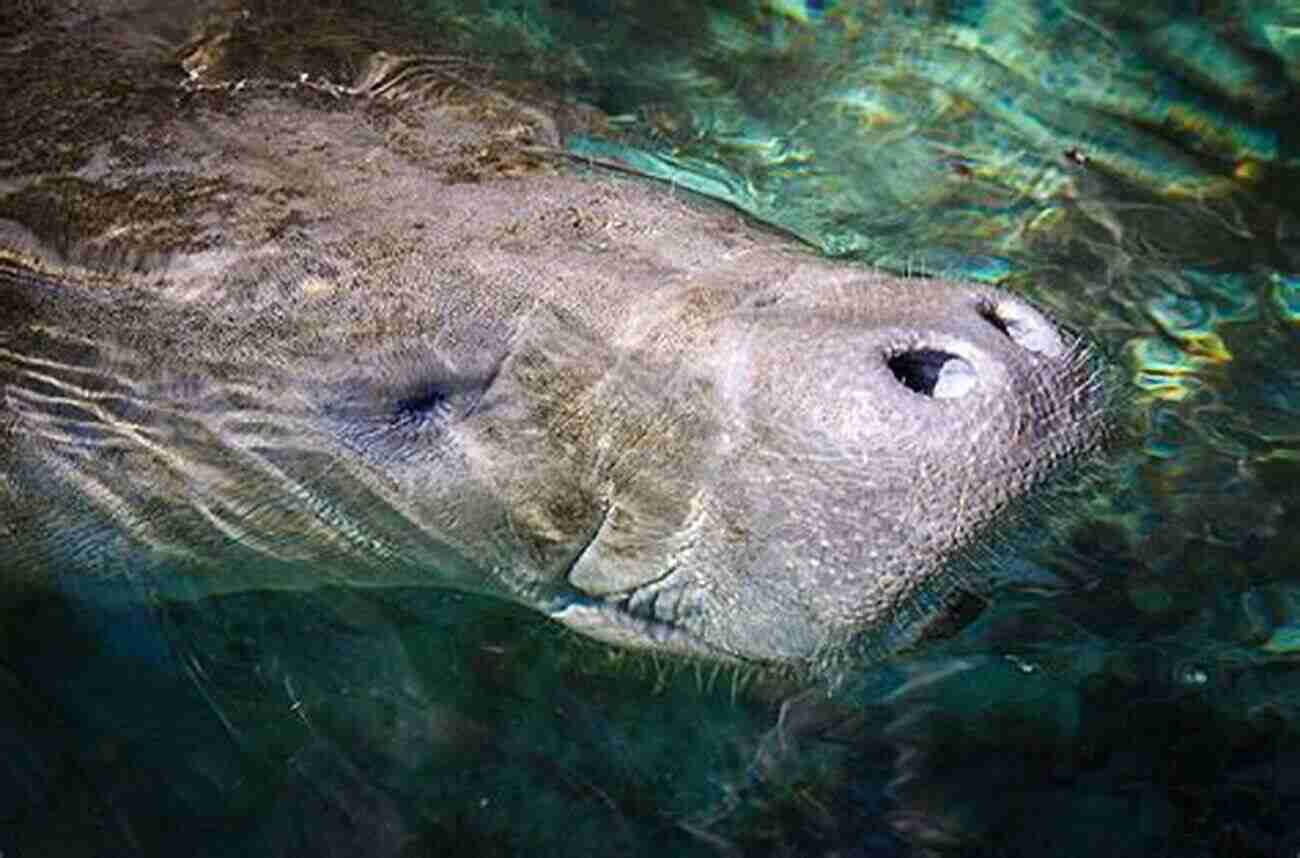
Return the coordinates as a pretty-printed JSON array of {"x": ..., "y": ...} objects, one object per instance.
[{"x": 1128, "y": 166}]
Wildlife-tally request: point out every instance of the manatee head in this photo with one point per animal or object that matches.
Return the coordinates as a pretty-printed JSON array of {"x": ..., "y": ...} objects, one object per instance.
[
  {"x": 781, "y": 474},
  {"x": 661, "y": 424}
]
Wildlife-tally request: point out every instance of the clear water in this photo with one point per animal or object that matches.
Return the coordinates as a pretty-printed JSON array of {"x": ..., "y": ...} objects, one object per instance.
[{"x": 1135, "y": 168}]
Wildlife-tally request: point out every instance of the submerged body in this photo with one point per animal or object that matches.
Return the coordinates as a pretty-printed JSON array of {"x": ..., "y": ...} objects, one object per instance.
[{"x": 275, "y": 338}]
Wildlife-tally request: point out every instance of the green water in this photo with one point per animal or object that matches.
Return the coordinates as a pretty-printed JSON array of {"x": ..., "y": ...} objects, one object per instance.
[{"x": 1135, "y": 690}]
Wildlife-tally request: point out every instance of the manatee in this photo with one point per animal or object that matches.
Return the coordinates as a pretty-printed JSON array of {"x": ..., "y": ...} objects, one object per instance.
[{"x": 299, "y": 335}]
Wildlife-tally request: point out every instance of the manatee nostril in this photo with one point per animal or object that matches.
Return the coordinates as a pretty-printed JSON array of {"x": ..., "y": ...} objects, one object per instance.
[
  {"x": 1022, "y": 326},
  {"x": 931, "y": 372},
  {"x": 989, "y": 313}
]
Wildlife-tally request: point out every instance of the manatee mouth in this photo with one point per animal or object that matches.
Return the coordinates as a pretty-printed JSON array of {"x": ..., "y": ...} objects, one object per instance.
[
  {"x": 933, "y": 372},
  {"x": 648, "y": 616},
  {"x": 613, "y": 622}
]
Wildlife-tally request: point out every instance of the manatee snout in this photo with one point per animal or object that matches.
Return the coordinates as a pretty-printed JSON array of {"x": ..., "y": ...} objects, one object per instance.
[{"x": 868, "y": 438}]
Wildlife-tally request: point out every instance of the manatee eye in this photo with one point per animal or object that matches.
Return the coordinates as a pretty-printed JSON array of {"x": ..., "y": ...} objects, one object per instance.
[
  {"x": 401, "y": 405},
  {"x": 1023, "y": 327},
  {"x": 428, "y": 403},
  {"x": 931, "y": 372},
  {"x": 433, "y": 400}
]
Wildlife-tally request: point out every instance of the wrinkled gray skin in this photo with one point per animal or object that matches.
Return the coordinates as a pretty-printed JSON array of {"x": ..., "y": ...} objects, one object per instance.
[{"x": 274, "y": 339}]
